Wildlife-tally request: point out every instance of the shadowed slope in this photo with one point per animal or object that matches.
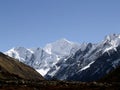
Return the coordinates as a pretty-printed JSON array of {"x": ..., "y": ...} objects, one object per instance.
[{"x": 113, "y": 76}]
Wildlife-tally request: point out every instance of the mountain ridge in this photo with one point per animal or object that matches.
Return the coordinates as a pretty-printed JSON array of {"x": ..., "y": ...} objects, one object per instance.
[
  {"x": 84, "y": 62},
  {"x": 64, "y": 59},
  {"x": 42, "y": 59}
]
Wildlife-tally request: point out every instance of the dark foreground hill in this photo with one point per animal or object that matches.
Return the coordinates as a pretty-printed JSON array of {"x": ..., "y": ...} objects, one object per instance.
[{"x": 12, "y": 69}]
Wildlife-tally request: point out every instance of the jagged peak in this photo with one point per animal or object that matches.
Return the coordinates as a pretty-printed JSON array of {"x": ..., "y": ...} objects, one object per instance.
[{"x": 112, "y": 37}]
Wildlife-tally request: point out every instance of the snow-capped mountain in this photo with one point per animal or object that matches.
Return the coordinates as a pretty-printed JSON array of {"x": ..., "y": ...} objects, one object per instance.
[
  {"x": 67, "y": 60},
  {"x": 61, "y": 48},
  {"x": 44, "y": 59},
  {"x": 90, "y": 63},
  {"x": 36, "y": 58}
]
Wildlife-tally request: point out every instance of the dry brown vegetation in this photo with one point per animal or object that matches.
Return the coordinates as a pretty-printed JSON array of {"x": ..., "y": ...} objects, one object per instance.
[
  {"x": 58, "y": 85},
  {"x": 13, "y": 69}
]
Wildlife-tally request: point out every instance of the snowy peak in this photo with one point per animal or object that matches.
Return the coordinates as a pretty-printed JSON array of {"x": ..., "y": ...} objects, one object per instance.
[
  {"x": 35, "y": 57},
  {"x": 44, "y": 59},
  {"x": 20, "y": 53},
  {"x": 111, "y": 42},
  {"x": 61, "y": 47},
  {"x": 111, "y": 37}
]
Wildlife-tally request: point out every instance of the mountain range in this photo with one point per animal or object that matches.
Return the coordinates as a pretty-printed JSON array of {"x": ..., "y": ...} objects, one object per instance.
[
  {"x": 66, "y": 60},
  {"x": 42, "y": 59}
]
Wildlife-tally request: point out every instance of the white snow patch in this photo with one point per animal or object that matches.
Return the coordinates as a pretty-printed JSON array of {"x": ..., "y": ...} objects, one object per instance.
[
  {"x": 30, "y": 50},
  {"x": 109, "y": 48},
  {"x": 11, "y": 52},
  {"x": 114, "y": 44},
  {"x": 22, "y": 59},
  {"x": 57, "y": 58},
  {"x": 43, "y": 72},
  {"x": 65, "y": 59},
  {"x": 119, "y": 36},
  {"x": 87, "y": 66}
]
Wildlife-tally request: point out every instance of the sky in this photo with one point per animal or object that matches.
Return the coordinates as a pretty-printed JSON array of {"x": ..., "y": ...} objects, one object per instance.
[{"x": 34, "y": 23}]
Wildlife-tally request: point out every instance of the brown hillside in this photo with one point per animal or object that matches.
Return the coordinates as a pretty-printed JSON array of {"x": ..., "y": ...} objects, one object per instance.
[{"x": 13, "y": 69}]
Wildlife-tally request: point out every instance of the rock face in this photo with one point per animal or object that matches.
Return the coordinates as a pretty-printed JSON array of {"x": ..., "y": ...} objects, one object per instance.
[
  {"x": 101, "y": 66},
  {"x": 13, "y": 69},
  {"x": 91, "y": 63}
]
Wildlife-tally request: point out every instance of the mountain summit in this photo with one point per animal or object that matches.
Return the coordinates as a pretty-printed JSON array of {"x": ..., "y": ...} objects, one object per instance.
[{"x": 61, "y": 47}]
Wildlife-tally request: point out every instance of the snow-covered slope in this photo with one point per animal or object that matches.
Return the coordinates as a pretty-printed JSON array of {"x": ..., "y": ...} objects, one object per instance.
[
  {"x": 70, "y": 65},
  {"x": 61, "y": 48},
  {"x": 44, "y": 59},
  {"x": 90, "y": 63},
  {"x": 36, "y": 58}
]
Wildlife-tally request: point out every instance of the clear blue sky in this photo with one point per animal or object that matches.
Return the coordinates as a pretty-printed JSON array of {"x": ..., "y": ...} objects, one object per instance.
[{"x": 33, "y": 23}]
